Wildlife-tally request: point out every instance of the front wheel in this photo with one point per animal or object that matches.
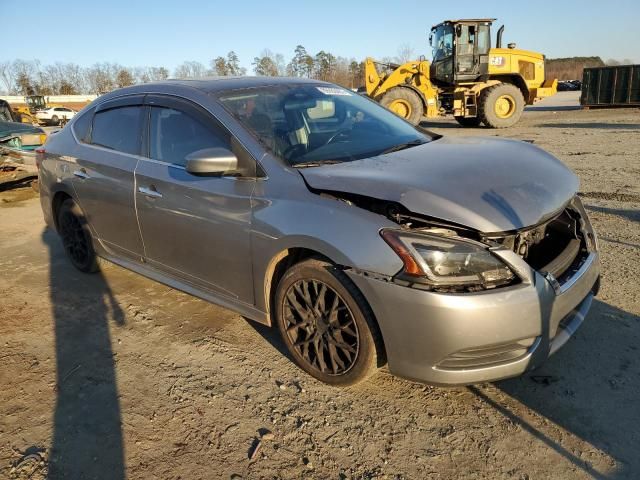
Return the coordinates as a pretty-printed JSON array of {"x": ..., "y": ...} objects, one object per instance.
[
  {"x": 326, "y": 324},
  {"x": 76, "y": 237},
  {"x": 405, "y": 103},
  {"x": 55, "y": 120}
]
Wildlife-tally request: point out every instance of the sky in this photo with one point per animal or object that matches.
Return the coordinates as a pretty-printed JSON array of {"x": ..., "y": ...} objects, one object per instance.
[{"x": 166, "y": 33}]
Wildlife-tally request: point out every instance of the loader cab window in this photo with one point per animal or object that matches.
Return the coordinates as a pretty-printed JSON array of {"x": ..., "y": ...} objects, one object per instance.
[
  {"x": 484, "y": 39},
  {"x": 466, "y": 39},
  {"x": 442, "y": 42}
]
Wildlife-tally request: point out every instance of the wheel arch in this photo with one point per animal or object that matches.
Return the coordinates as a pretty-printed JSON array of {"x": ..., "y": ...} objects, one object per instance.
[
  {"x": 285, "y": 259},
  {"x": 515, "y": 80},
  {"x": 57, "y": 200},
  {"x": 279, "y": 264}
]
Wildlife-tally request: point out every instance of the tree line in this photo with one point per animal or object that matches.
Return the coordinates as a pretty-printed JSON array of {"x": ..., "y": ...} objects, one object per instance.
[
  {"x": 29, "y": 77},
  {"x": 571, "y": 68}
]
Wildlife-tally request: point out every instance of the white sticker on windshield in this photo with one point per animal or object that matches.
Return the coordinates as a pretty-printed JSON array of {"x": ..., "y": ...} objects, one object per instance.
[{"x": 334, "y": 91}]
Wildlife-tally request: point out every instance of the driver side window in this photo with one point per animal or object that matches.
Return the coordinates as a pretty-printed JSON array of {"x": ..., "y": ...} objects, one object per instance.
[{"x": 175, "y": 134}]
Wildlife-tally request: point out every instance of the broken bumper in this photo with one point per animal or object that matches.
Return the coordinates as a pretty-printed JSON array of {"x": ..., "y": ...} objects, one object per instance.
[{"x": 460, "y": 339}]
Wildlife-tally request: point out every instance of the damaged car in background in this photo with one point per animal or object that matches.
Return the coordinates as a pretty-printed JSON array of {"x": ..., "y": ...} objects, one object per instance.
[
  {"x": 302, "y": 205},
  {"x": 18, "y": 141}
]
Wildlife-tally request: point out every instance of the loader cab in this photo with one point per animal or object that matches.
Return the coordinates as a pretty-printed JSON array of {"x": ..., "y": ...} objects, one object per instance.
[
  {"x": 35, "y": 102},
  {"x": 460, "y": 50}
]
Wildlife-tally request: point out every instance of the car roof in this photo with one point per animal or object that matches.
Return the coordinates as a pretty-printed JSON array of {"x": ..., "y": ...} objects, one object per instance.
[{"x": 213, "y": 84}]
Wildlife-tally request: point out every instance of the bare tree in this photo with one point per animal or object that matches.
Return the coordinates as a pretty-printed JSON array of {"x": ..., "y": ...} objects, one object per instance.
[
  {"x": 190, "y": 69},
  {"x": 7, "y": 78},
  {"x": 405, "y": 53},
  {"x": 101, "y": 78},
  {"x": 158, "y": 73}
]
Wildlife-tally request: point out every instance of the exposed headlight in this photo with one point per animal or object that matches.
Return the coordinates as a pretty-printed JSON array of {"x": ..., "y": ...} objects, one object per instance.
[{"x": 444, "y": 263}]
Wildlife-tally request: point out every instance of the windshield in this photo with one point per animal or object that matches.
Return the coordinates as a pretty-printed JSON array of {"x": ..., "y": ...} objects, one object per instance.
[
  {"x": 442, "y": 42},
  {"x": 311, "y": 124}
]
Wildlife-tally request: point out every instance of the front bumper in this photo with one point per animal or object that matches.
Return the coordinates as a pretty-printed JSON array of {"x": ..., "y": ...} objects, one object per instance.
[{"x": 460, "y": 339}]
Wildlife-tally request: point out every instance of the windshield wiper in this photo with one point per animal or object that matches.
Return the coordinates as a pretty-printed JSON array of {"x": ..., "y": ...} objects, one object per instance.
[
  {"x": 402, "y": 146},
  {"x": 315, "y": 163}
]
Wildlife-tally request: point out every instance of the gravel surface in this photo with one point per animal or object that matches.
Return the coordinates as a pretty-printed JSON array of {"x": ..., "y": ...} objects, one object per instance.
[{"x": 113, "y": 375}]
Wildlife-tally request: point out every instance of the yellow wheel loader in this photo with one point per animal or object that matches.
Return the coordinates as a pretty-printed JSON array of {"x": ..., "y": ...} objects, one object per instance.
[
  {"x": 33, "y": 103},
  {"x": 466, "y": 78}
]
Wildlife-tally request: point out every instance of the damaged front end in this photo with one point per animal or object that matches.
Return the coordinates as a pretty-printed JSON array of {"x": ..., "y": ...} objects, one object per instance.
[
  {"x": 556, "y": 248},
  {"x": 445, "y": 257}
]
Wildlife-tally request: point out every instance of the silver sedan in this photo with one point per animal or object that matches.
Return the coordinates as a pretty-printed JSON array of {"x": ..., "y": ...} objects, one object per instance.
[{"x": 305, "y": 206}]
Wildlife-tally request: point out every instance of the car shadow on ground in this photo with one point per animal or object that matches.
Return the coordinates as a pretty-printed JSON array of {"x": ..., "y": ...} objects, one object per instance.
[
  {"x": 87, "y": 433},
  {"x": 631, "y": 214},
  {"x": 587, "y": 388},
  {"x": 272, "y": 336}
]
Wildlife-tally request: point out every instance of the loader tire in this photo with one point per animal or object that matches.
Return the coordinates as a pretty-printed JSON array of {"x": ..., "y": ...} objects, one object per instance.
[
  {"x": 469, "y": 121},
  {"x": 501, "y": 105},
  {"x": 405, "y": 103}
]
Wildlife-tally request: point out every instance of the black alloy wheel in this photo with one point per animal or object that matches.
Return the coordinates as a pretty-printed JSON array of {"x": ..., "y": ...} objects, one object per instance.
[
  {"x": 327, "y": 324},
  {"x": 76, "y": 238},
  {"x": 321, "y": 327}
]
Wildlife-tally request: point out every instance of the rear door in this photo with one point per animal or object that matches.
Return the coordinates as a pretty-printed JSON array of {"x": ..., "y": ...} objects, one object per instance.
[
  {"x": 107, "y": 156},
  {"x": 195, "y": 228}
]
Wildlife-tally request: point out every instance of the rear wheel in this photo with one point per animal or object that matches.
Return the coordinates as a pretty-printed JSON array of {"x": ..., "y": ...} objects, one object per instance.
[
  {"x": 468, "y": 121},
  {"x": 76, "y": 238},
  {"x": 55, "y": 120},
  {"x": 326, "y": 324},
  {"x": 405, "y": 103},
  {"x": 501, "y": 106}
]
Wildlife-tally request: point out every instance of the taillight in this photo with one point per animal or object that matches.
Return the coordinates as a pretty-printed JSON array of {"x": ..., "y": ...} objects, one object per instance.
[{"x": 40, "y": 153}]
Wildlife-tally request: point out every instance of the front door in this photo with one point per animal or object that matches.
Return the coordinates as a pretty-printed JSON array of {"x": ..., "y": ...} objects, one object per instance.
[{"x": 194, "y": 228}]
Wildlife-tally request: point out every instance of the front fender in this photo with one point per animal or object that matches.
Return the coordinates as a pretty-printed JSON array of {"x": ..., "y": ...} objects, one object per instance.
[{"x": 347, "y": 235}]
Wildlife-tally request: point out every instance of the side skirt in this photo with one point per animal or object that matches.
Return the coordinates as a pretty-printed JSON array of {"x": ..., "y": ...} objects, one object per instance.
[{"x": 241, "y": 308}]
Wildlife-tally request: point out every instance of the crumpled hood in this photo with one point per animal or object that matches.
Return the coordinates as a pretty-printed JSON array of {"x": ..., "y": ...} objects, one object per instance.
[{"x": 491, "y": 185}]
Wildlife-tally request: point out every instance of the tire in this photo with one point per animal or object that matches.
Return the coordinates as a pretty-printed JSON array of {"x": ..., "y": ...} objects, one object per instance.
[
  {"x": 405, "y": 103},
  {"x": 469, "y": 121},
  {"x": 348, "y": 340},
  {"x": 55, "y": 120},
  {"x": 76, "y": 237},
  {"x": 492, "y": 103}
]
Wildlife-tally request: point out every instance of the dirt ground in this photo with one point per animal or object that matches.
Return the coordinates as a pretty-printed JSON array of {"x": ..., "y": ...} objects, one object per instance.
[{"x": 114, "y": 376}]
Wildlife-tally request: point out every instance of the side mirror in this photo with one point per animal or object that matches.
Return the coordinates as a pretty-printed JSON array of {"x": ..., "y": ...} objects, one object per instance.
[{"x": 211, "y": 161}]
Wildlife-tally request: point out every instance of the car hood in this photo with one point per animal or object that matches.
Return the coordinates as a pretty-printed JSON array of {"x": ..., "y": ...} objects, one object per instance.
[
  {"x": 491, "y": 185},
  {"x": 9, "y": 128}
]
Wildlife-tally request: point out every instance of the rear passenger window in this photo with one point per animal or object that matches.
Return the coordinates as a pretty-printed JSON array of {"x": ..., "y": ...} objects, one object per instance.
[
  {"x": 118, "y": 129},
  {"x": 174, "y": 135},
  {"x": 82, "y": 126}
]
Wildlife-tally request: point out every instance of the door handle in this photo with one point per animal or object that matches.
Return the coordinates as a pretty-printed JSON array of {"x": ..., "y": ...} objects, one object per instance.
[
  {"x": 150, "y": 192},
  {"x": 81, "y": 173}
]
